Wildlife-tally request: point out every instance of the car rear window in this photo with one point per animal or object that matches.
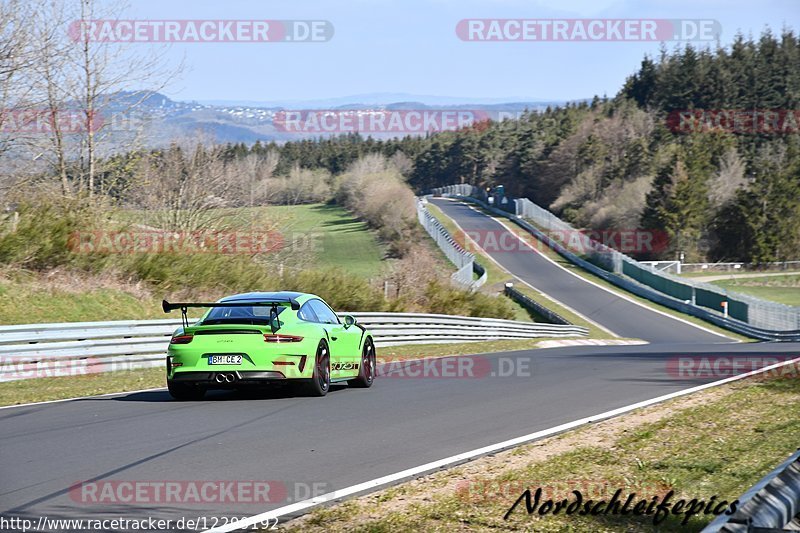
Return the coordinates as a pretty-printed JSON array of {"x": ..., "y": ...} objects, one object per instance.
[{"x": 257, "y": 314}]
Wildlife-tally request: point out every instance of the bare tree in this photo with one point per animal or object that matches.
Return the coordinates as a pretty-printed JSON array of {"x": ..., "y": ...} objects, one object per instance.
[
  {"x": 302, "y": 186},
  {"x": 181, "y": 187},
  {"x": 15, "y": 60},
  {"x": 621, "y": 205},
  {"x": 728, "y": 179},
  {"x": 78, "y": 77},
  {"x": 405, "y": 275},
  {"x": 52, "y": 87},
  {"x": 106, "y": 69},
  {"x": 258, "y": 171},
  {"x": 403, "y": 163},
  {"x": 375, "y": 190}
]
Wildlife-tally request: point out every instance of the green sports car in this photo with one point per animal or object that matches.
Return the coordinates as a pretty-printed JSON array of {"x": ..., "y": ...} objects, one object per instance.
[{"x": 267, "y": 337}]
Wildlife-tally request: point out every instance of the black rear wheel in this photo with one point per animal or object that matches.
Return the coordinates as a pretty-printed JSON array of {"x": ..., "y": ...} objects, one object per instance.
[
  {"x": 185, "y": 391},
  {"x": 321, "y": 380},
  {"x": 366, "y": 372}
]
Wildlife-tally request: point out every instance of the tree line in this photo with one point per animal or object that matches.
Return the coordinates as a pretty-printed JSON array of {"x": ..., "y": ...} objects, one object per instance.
[{"x": 721, "y": 191}]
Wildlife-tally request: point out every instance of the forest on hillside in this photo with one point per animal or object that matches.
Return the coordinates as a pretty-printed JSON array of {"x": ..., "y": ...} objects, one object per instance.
[
  {"x": 722, "y": 191},
  {"x": 701, "y": 143}
]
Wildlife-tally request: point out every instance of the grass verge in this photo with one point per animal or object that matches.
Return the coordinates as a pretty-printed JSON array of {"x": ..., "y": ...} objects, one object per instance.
[
  {"x": 594, "y": 331},
  {"x": 691, "y": 445},
  {"x": 780, "y": 289},
  {"x": 28, "y": 300},
  {"x": 323, "y": 235},
  {"x": 45, "y": 389}
]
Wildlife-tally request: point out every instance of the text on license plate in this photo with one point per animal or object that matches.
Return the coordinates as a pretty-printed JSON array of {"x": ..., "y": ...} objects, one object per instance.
[{"x": 224, "y": 359}]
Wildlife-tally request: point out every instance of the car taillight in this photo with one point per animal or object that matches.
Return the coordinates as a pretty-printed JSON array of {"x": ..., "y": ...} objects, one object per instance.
[
  {"x": 181, "y": 339},
  {"x": 281, "y": 338}
]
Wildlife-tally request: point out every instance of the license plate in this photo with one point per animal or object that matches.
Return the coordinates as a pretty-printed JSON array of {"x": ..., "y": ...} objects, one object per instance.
[{"x": 224, "y": 359}]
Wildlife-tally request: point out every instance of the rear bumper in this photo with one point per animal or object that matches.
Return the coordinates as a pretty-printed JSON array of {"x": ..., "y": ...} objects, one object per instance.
[
  {"x": 228, "y": 378},
  {"x": 185, "y": 368}
]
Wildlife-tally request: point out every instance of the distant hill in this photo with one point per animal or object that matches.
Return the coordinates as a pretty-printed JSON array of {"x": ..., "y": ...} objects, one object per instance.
[
  {"x": 155, "y": 119},
  {"x": 381, "y": 99}
]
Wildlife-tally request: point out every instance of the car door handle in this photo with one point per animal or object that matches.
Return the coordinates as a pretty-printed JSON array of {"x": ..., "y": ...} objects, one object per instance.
[{"x": 333, "y": 338}]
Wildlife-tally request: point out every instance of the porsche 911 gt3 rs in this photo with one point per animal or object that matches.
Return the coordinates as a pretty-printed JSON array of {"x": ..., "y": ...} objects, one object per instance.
[{"x": 266, "y": 337}]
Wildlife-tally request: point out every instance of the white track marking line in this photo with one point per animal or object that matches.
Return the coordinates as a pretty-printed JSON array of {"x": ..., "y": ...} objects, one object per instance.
[
  {"x": 504, "y": 269},
  {"x": 34, "y": 404},
  {"x": 564, "y": 343},
  {"x": 614, "y": 292},
  {"x": 466, "y": 456}
]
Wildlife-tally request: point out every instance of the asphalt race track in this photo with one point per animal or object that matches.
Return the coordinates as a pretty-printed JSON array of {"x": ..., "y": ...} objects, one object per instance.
[
  {"x": 352, "y": 435},
  {"x": 625, "y": 318}
]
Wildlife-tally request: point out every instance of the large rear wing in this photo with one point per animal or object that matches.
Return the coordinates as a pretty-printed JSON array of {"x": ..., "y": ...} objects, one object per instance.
[{"x": 273, "y": 303}]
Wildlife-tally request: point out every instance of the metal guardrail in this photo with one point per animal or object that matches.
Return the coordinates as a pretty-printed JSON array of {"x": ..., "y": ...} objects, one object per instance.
[
  {"x": 532, "y": 305},
  {"x": 463, "y": 260},
  {"x": 43, "y": 350},
  {"x": 772, "y": 504},
  {"x": 612, "y": 274},
  {"x": 758, "y": 313}
]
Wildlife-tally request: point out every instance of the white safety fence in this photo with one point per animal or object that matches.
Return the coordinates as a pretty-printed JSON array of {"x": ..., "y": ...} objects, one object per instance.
[
  {"x": 754, "y": 311},
  {"x": 463, "y": 260},
  {"x": 741, "y": 313},
  {"x": 48, "y": 350}
]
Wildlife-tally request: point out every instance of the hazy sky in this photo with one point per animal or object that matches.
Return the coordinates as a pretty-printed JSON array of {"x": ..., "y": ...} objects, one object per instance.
[{"x": 411, "y": 46}]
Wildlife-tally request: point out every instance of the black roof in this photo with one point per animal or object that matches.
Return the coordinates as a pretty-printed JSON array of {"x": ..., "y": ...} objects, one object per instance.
[{"x": 281, "y": 296}]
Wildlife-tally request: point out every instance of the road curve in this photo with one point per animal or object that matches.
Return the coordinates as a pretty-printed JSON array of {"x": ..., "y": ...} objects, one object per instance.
[
  {"x": 352, "y": 435},
  {"x": 621, "y": 316}
]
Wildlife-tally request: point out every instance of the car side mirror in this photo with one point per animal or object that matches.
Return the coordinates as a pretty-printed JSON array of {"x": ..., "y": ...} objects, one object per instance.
[{"x": 349, "y": 320}]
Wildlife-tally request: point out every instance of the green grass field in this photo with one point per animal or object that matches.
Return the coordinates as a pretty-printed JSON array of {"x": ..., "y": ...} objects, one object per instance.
[
  {"x": 781, "y": 289},
  {"x": 335, "y": 237},
  {"x": 320, "y": 234},
  {"x": 30, "y": 303},
  {"x": 314, "y": 236}
]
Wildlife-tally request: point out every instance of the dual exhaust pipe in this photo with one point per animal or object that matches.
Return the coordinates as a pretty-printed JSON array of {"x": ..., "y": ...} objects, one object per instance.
[{"x": 225, "y": 377}]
